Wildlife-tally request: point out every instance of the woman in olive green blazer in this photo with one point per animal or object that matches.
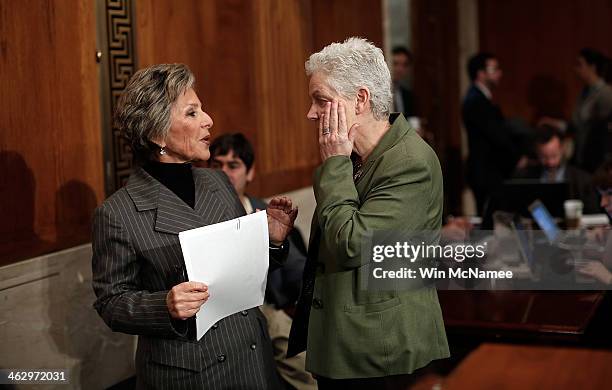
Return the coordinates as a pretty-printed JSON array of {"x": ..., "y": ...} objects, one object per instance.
[{"x": 393, "y": 182}]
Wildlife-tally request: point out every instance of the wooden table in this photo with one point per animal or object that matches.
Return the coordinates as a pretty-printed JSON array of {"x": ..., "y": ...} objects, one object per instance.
[
  {"x": 519, "y": 314},
  {"x": 503, "y": 366}
]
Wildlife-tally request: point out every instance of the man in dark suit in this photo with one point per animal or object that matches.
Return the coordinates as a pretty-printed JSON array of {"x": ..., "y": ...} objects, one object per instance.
[
  {"x": 493, "y": 156},
  {"x": 552, "y": 167},
  {"x": 234, "y": 155},
  {"x": 403, "y": 99}
]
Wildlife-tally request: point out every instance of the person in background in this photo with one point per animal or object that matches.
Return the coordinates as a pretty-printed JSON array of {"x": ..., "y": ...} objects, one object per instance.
[
  {"x": 493, "y": 155},
  {"x": 139, "y": 275},
  {"x": 456, "y": 229},
  {"x": 591, "y": 123},
  {"x": 403, "y": 99},
  {"x": 603, "y": 182},
  {"x": 234, "y": 155},
  {"x": 601, "y": 270},
  {"x": 552, "y": 167},
  {"x": 376, "y": 174}
]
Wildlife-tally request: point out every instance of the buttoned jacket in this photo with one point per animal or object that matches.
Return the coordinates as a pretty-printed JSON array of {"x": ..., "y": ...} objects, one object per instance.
[{"x": 137, "y": 259}]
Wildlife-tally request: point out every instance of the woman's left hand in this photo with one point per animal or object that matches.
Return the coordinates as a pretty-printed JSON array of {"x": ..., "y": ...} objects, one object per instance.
[
  {"x": 335, "y": 137},
  {"x": 596, "y": 270},
  {"x": 281, "y": 216}
]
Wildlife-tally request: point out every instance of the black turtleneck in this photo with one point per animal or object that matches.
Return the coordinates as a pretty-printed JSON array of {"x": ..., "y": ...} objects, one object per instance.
[{"x": 178, "y": 178}]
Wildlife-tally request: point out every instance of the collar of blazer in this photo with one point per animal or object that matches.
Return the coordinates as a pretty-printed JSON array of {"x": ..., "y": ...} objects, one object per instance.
[
  {"x": 398, "y": 130},
  {"x": 173, "y": 215}
]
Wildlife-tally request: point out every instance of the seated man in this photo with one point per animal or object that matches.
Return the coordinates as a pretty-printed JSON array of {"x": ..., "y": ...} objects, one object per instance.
[
  {"x": 233, "y": 154},
  {"x": 552, "y": 167}
]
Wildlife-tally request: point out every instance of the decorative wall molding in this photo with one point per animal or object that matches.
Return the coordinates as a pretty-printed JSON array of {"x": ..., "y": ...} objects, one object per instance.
[{"x": 116, "y": 33}]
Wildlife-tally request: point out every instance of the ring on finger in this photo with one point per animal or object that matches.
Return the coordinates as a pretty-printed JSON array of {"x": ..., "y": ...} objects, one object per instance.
[{"x": 326, "y": 131}]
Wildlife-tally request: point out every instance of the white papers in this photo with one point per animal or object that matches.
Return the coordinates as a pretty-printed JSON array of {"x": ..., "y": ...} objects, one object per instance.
[
  {"x": 591, "y": 220},
  {"x": 232, "y": 258}
]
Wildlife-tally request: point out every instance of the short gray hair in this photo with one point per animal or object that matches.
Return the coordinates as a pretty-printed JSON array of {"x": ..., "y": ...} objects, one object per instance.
[
  {"x": 143, "y": 109},
  {"x": 353, "y": 64}
]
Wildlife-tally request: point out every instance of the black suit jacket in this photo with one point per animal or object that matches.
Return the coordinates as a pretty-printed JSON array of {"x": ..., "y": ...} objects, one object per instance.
[
  {"x": 137, "y": 259},
  {"x": 492, "y": 153},
  {"x": 407, "y": 100}
]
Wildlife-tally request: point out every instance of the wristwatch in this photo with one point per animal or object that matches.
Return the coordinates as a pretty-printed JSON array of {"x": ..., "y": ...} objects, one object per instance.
[{"x": 277, "y": 248}]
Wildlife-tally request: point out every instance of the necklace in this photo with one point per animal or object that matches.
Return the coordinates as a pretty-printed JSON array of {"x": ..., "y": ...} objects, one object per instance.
[{"x": 357, "y": 168}]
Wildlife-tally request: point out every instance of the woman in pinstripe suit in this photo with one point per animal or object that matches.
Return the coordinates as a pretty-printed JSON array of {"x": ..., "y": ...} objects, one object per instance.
[{"x": 138, "y": 268}]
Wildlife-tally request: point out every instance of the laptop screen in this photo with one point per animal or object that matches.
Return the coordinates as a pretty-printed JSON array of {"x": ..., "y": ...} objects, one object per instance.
[
  {"x": 545, "y": 221},
  {"x": 523, "y": 241}
]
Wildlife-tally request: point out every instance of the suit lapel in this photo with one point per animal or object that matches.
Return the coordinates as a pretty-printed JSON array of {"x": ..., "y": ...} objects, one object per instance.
[
  {"x": 399, "y": 129},
  {"x": 173, "y": 215},
  {"x": 209, "y": 205}
]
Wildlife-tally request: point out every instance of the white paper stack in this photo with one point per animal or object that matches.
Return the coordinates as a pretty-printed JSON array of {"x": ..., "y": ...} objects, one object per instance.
[
  {"x": 232, "y": 258},
  {"x": 591, "y": 220}
]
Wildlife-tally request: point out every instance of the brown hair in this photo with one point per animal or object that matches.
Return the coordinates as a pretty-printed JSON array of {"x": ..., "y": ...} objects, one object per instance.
[
  {"x": 143, "y": 110},
  {"x": 603, "y": 176}
]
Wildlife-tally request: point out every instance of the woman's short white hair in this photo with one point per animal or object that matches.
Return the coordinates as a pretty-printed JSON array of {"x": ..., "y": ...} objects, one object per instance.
[{"x": 353, "y": 64}]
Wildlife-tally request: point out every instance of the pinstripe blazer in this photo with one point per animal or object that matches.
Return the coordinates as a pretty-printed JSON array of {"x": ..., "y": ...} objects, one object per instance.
[{"x": 137, "y": 259}]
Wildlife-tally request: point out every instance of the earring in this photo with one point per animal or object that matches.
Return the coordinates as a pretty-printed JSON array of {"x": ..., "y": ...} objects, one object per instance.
[{"x": 162, "y": 151}]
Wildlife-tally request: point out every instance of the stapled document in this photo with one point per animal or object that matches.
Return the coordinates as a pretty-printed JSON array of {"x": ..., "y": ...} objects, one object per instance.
[{"x": 232, "y": 258}]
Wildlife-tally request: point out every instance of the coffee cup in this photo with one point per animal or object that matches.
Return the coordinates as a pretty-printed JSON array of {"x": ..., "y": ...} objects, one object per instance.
[{"x": 573, "y": 213}]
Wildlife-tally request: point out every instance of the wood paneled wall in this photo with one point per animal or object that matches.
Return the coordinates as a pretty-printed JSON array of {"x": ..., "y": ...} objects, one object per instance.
[
  {"x": 436, "y": 85},
  {"x": 248, "y": 58},
  {"x": 286, "y": 141},
  {"x": 537, "y": 43},
  {"x": 50, "y": 142},
  {"x": 337, "y": 20}
]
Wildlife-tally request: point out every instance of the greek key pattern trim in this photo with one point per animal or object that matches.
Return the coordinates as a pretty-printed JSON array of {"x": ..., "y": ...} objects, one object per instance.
[{"x": 122, "y": 64}]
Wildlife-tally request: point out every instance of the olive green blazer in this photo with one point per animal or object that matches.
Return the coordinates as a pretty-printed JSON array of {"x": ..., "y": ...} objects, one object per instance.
[{"x": 354, "y": 333}]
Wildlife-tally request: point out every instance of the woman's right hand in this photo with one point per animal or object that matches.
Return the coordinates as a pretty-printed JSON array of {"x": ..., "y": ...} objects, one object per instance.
[
  {"x": 184, "y": 300},
  {"x": 596, "y": 270}
]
